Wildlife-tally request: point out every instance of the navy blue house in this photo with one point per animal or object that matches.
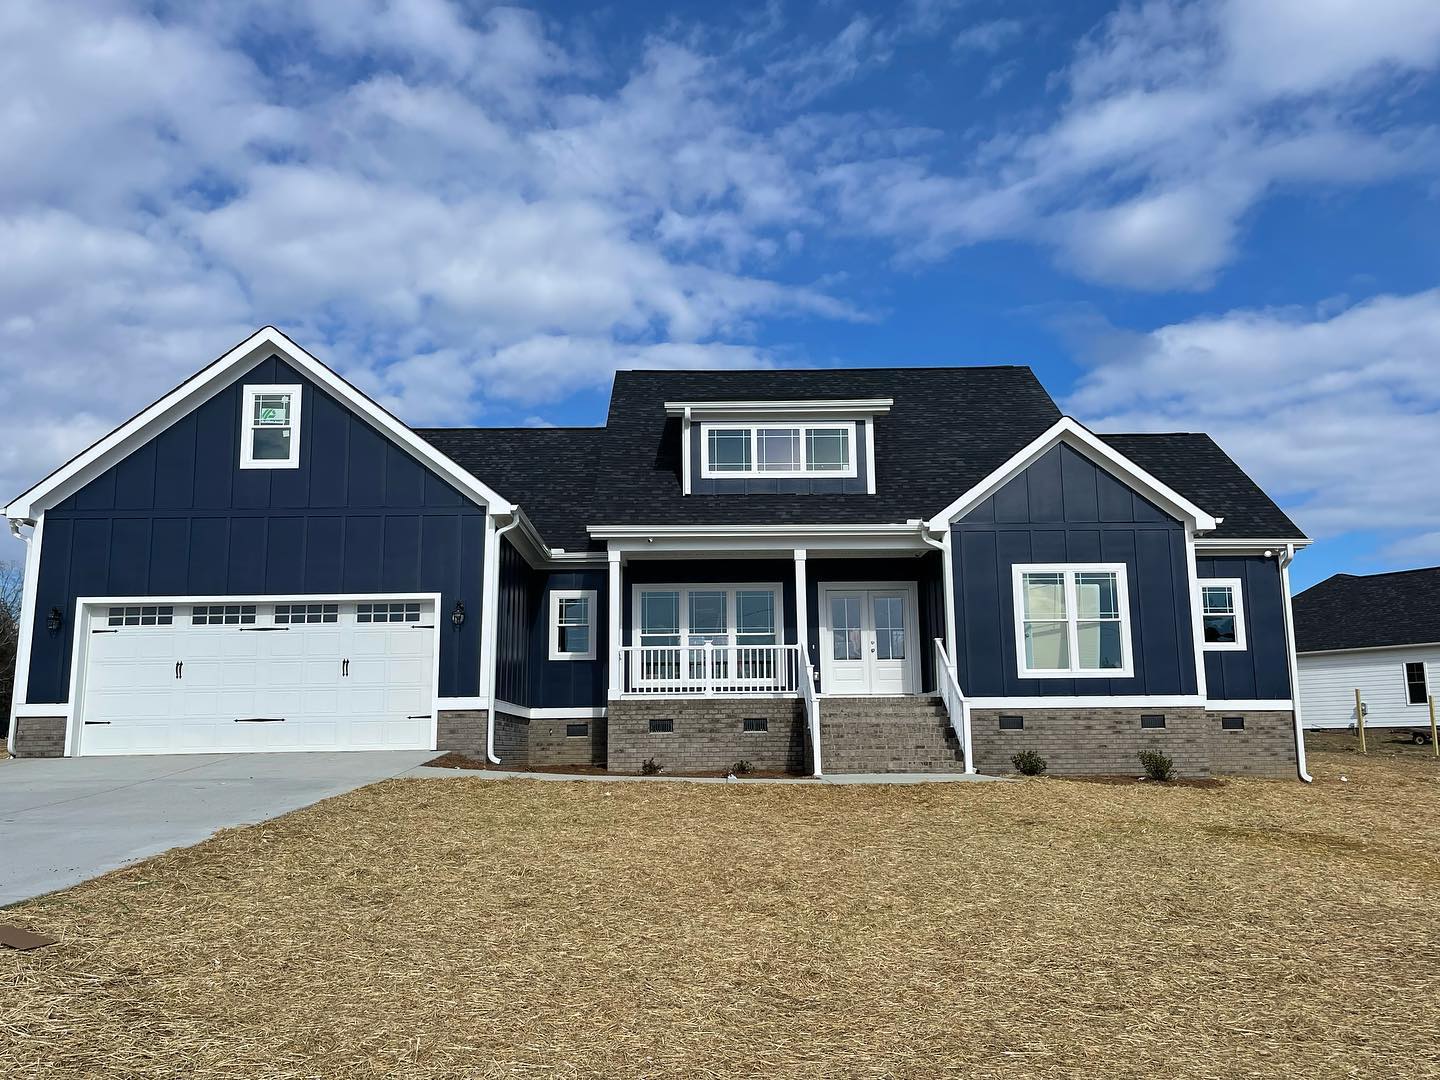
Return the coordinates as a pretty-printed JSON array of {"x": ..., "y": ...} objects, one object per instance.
[{"x": 913, "y": 569}]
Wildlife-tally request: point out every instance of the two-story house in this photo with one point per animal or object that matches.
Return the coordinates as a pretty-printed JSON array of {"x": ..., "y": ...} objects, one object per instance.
[{"x": 821, "y": 571}]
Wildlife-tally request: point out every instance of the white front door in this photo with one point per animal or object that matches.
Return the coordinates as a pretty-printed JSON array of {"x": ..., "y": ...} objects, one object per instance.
[
  {"x": 868, "y": 639},
  {"x": 241, "y": 676}
]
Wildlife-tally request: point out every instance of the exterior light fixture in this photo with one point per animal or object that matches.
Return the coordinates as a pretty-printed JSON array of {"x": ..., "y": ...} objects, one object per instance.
[
  {"x": 457, "y": 616},
  {"x": 54, "y": 620}
]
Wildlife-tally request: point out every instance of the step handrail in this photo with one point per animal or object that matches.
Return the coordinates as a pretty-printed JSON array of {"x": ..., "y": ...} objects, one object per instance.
[
  {"x": 812, "y": 712},
  {"x": 957, "y": 707}
]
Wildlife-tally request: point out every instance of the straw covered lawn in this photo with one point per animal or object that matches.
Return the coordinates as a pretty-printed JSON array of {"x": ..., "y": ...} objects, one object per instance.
[{"x": 473, "y": 928}]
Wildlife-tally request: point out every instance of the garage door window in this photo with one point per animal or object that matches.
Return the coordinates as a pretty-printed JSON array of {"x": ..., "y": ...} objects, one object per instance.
[
  {"x": 408, "y": 611},
  {"x": 147, "y": 615},
  {"x": 294, "y": 614},
  {"x": 222, "y": 614}
]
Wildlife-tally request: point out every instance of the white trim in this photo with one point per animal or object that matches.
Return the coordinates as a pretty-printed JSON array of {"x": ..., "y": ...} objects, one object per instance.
[
  {"x": 912, "y": 630},
  {"x": 1246, "y": 546},
  {"x": 1286, "y": 558},
  {"x": 1197, "y": 626},
  {"x": 224, "y": 372},
  {"x": 1078, "y": 437},
  {"x": 700, "y": 532},
  {"x": 741, "y": 409},
  {"x": 553, "y": 617},
  {"x": 1072, "y": 620},
  {"x": 802, "y": 608},
  {"x": 1251, "y": 705},
  {"x": 1373, "y": 648},
  {"x": 869, "y": 423},
  {"x": 1237, "y": 602},
  {"x": 614, "y": 601},
  {"x": 30, "y": 582},
  {"x": 754, "y": 472},
  {"x": 1118, "y": 701},
  {"x": 85, "y": 605},
  {"x": 248, "y": 393},
  {"x": 685, "y": 485},
  {"x": 461, "y": 704},
  {"x": 577, "y": 712}
]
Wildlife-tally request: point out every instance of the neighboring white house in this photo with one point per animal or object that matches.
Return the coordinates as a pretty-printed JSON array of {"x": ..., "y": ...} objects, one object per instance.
[{"x": 1378, "y": 634}]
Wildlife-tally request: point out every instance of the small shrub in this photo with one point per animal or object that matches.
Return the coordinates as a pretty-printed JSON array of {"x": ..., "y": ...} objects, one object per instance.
[
  {"x": 740, "y": 768},
  {"x": 1157, "y": 765},
  {"x": 650, "y": 767},
  {"x": 1029, "y": 763}
]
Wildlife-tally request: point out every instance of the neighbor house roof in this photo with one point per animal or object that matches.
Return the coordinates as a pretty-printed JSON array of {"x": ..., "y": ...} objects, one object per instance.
[
  {"x": 948, "y": 429},
  {"x": 1350, "y": 611}
]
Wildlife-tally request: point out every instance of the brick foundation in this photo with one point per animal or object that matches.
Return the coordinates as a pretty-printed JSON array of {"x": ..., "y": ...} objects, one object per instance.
[
  {"x": 463, "y": 731},
  {"x": 709, "y": 735},
  {"x": 40, "y": 736},
  {"x": 1100, "y": 742}
]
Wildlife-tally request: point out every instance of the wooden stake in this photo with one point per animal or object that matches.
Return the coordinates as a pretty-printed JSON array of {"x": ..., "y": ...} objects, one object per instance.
[
  {"x": 1360, "y": 719},
  {"x": 1434, "y": 742}
]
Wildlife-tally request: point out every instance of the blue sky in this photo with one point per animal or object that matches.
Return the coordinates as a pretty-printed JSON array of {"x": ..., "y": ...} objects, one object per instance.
[{"x": 1210, "y": 215}]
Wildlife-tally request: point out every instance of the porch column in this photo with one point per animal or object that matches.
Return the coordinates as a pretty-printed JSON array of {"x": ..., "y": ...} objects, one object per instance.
[
  {"x": 802, "y": 611},
  {"x": 616, "y": 608}
]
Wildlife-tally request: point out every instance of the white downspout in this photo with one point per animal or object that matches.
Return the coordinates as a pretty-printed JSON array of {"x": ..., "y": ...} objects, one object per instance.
[
  {"x": 490, "y": 650},
  {"x": 1285, "y": 560}
]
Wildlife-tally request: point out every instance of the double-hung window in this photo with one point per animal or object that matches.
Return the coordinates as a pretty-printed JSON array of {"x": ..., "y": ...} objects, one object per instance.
[
  {"x": 778, "y": 450},
  {"x": 676, "y": 623},
  {"x": 572, "y": 624},
  {"x": 1223, "y": 614},
  {"x": 1072, "y": 621},
  {"x": 1417, "y": 686},
  {"x": 270, "y": 428}
]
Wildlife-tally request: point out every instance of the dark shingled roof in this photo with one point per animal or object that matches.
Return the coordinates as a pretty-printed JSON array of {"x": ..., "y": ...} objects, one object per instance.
[
  {"x": 1195, "y": 466},
  {"x": 948, "y": 429},
  {"x": 1354, "y": 612}
]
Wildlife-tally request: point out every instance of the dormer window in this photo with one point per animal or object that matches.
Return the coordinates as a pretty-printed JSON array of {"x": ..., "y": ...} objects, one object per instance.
[
  {"x": 270, "y": 428},
  {"x": 778, "y": 450}
]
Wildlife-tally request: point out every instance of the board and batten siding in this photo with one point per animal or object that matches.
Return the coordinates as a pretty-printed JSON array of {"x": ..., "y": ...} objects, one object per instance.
[
  {"x": 179, "y": 517},
  {"x": 1261, "y": 671},
  {"x": 1065, "y": 509},
  {"x": 1328, "y": 682},
  {"x": 524, "y": 673}
]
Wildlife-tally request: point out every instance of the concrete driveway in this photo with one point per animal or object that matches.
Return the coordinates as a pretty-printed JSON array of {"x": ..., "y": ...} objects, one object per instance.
[{"x": 65, "y": 820}]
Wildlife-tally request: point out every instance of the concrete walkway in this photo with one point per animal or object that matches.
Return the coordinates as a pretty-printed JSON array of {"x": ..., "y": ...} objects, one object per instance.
[{"x": 66, "y": 820}]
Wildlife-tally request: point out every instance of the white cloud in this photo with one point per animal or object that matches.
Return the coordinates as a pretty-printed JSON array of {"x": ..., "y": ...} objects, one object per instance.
[{"x": 1333, "y": 411}]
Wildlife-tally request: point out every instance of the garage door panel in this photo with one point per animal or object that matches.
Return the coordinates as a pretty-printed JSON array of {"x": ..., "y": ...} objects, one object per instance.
[{"x": 234, "y": 676}]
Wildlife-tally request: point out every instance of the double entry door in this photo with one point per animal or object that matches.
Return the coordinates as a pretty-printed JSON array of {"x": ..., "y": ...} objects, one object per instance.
[{"x": 869, "y": 643}]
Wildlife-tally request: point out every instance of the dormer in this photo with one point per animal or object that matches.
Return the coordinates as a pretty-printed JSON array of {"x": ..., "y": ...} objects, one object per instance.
[{"x": 804, "y": 447}]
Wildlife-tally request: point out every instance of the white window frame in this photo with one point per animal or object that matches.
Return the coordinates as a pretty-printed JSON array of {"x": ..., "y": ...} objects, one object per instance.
[
  {"x": 1070, "y": 570},
  {"x": 247, "y": 427},
  {"x": 731, "y": 591},
  {"x": 1237, "y": 600},
  {"x": 556, "y": 595},
  {"x": 1405, "y": 683},
  {"x": 851, "y": 470}
]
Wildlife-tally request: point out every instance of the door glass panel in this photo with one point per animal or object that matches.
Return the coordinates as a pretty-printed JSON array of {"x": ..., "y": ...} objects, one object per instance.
[
  {"x": 889, "y": 627},
  {"x": 845, "y": 628}
]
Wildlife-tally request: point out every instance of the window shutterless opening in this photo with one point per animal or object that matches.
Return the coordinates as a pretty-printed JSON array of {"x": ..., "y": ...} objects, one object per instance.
[
  {"x": 1417, "y": 686},
  {"x": 1152, "y": 720}
]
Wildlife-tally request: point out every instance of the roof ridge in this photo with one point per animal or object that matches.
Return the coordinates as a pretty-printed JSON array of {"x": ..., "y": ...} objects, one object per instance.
[{"x": 815, "y": 370}]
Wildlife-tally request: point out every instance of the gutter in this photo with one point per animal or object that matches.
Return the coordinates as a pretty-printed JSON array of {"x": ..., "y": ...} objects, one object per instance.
[
  {"x": 492, "y": 599},
  {"x": 1286, "y": 558}
]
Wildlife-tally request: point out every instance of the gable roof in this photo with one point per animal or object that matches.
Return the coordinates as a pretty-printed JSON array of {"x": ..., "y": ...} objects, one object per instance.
[
  {"x": 1350, "y": 611},
  {"x": 224, "y": 371},
  {"x": 1194, "y": 465}
]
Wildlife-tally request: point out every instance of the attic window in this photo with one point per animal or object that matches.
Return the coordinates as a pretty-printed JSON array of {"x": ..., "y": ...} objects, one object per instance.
[
  {"x": 778, "y": 450},
  {"x": 270, "y": 428}
]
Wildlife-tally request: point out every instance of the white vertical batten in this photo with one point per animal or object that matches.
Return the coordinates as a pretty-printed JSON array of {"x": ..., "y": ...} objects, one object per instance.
[{"x": 614, "y": 605}]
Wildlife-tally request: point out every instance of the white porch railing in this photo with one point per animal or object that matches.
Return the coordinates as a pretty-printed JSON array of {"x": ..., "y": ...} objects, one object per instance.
[
  {"x": 812, "y": 715},
  {"x": 706, "y": 670},
  {"x": 954, "y": 700}
]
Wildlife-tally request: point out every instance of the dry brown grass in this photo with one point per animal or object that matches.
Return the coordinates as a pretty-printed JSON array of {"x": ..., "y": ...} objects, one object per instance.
[{"x": 477, "y": 928}]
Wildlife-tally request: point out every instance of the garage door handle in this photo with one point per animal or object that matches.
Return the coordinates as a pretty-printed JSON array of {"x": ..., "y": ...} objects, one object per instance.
[
  {"x": 263, "y": 629},
  {"x": 260, "y": 719},
  {"x": 422, "y": 626},
  {"x": 345, "y": 668},
  {"x": 179, "y": 667}
]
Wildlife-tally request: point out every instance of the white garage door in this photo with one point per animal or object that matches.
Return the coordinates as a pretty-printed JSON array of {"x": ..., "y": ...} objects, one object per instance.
[{"x": 234, "y": 676}]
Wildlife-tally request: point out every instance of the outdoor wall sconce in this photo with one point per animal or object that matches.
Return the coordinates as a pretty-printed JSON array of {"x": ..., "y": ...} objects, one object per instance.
[
  {"x": 457, "y": 616},
  {"x": 53, "y": 620}
]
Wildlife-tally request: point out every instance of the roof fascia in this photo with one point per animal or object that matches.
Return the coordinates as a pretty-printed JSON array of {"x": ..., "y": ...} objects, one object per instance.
[
  {"x": 202, "y": 386},
  {"x": 1078, "y": 437},
  {"x": 740, "y": 409}
]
